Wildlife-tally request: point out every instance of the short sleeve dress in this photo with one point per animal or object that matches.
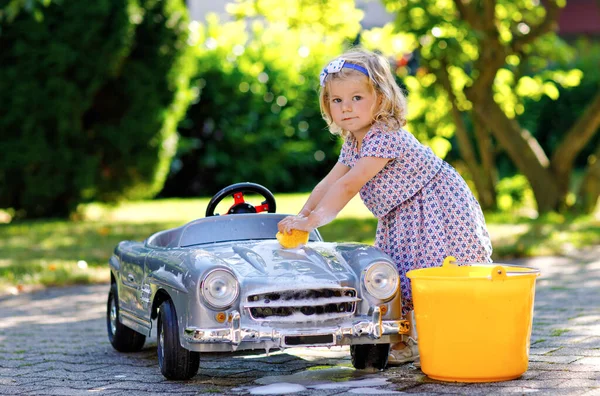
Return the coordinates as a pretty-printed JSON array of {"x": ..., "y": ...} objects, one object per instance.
[{"x": 425, "y": 210}]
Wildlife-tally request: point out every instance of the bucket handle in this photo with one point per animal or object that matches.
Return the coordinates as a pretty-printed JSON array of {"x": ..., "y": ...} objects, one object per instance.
[{"x": 498, "y": 272}]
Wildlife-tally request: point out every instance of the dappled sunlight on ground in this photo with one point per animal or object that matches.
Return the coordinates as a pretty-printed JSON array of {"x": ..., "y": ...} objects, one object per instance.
[{"x": 51, "y": 310}]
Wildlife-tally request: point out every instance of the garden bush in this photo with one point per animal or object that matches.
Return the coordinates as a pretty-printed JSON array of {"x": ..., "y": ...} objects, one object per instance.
[{"x": 92, "y": 93}]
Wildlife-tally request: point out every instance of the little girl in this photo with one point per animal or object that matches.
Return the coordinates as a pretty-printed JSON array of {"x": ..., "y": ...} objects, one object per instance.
[{"x": 424, "y": 208}]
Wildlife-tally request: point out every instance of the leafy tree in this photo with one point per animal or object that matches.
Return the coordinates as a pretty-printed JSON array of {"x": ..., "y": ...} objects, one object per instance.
[
  {"x": 548, "y": 118},
  {"x": 436, "y": 128},
  {"x": 489, "y": 57},
  {"x": 92, "y": 93}
]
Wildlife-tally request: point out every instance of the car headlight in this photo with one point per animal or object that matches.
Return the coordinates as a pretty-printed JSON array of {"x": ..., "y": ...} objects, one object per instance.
[
  {"x": 381, "y": 280},
  {"x": 220, "y": 288}
]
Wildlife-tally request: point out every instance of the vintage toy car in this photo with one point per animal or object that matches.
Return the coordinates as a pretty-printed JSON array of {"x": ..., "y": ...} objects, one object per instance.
[{"x": 224, "y": 283}]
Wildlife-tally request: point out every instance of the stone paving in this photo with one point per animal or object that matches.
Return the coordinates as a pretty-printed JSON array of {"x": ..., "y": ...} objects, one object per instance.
[{"x": 54, "y": 342}]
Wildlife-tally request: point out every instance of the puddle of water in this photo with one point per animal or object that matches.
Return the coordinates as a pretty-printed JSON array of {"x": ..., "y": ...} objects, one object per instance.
[
  {"x": 312, "y": 376},
  {"x": 347, "y": 378},
  {"x": 371, "y": 382}
]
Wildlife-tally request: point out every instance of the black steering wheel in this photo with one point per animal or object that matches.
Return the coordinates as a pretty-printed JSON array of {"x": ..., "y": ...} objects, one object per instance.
[{"x": 239, "y": 205}]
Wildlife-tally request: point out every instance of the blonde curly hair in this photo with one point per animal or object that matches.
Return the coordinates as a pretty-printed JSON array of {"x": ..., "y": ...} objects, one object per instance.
[{"x": 391, "y": 99}]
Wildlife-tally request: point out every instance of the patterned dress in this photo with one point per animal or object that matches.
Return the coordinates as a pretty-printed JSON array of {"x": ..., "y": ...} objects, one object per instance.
[{"x": 425, "y": 210}]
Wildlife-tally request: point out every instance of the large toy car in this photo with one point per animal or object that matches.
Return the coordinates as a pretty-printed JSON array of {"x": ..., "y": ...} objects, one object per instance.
[{"x": 224, "y": 283}]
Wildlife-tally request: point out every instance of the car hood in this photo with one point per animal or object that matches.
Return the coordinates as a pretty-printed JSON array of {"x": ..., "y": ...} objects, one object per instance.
[{"x": 267, "y": 259}]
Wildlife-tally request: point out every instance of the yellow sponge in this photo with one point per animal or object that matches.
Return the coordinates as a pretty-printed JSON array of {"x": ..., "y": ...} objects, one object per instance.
[{"x": 293, "y": 240}]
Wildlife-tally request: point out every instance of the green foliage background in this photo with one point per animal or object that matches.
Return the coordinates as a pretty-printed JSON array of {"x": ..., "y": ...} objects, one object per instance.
[
  {"x": 103, "y": 96},
  {"x": 95, "y": 91},
  {"x": 257, "y": 115},
  {"x": 549, "y": 118}
]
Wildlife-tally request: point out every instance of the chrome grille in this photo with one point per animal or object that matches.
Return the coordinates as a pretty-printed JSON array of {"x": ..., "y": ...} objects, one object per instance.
[{"x": 302, "y": 305}]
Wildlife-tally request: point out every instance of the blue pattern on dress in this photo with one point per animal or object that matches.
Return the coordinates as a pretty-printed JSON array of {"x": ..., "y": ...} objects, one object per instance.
[{"x": 425, "y": 209}]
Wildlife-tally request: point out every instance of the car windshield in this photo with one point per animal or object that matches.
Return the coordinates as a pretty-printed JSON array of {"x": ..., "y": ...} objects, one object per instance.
[{"x": 227, "y": 228}]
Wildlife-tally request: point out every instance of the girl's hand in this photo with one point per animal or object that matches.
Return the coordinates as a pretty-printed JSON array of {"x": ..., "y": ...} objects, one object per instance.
[
  {"x": 284, "y": 225},
  {"x": 294, "y": 223}
]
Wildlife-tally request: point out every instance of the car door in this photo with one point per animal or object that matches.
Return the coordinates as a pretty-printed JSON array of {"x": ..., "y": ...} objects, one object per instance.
[{"x": 132, "y": 275}]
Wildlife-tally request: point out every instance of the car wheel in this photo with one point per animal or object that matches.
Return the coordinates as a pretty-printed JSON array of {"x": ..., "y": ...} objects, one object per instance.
[
  {"x": 370, "y": 356},
  {"x": 176, "y": 362},
  {"x": 122, "y": 338}
]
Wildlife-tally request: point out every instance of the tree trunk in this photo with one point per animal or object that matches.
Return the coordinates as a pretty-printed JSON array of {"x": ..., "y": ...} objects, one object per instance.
[
  {"x": 521, "y": 147},
  {"x": 488, "y": 159},
  {"x": 589, "y": 191},
  {"x": 578, "y": 136},
  {"x": 523, "y": 150},
  {"x": 487, "y": 196}
]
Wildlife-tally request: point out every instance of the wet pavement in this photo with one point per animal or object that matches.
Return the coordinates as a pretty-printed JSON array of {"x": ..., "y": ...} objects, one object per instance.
[{"x": 54, "y": 342}]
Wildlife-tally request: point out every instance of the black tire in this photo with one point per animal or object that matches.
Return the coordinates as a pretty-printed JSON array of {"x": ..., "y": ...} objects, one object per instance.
[
  {"x": 176, "y": 362},
  {"x": 121, "y": 337},
  {"x": 370, "y": 356}
]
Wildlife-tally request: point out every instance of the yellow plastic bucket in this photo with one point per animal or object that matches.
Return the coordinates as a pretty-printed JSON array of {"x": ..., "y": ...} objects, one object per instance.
[{"x": 473, "y": 321}]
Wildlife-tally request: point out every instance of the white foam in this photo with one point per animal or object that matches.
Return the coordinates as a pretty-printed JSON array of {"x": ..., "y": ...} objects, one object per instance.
[{"x": 281, "y": 388}]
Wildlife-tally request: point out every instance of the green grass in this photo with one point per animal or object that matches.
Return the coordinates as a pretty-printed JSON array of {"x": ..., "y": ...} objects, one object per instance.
[
  {"x": 552, "y": 234},
  {"x": 558, "y": 332},
  {"x": 58, "y": 252}
]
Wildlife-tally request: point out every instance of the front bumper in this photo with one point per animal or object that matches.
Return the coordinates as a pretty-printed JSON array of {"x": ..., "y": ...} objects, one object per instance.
[{"x": 356, "y": 332}]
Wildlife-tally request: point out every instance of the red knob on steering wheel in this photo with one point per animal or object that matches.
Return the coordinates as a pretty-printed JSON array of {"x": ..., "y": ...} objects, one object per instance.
[{"x": 239, "y": 204}]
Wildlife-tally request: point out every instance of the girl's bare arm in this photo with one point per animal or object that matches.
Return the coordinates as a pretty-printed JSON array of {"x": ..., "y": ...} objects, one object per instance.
[
  {"x": 337, "y": 195},
  {"x": 338, "y": 171}
]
